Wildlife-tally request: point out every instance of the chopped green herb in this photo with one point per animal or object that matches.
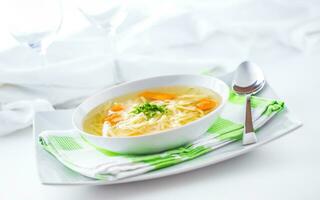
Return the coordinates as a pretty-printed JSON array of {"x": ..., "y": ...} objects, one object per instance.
[{"x": 149, "y": 110}]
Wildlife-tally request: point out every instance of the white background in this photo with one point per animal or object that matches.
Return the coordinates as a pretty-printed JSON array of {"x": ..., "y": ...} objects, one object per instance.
[{"x": 285, "y": 169}]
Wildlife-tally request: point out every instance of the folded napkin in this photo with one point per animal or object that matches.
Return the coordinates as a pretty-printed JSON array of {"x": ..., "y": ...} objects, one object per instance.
[{"x": 77, "y": 154}]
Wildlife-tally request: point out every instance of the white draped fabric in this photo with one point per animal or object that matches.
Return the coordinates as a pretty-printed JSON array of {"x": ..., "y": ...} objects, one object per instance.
[{"x": 158, "y": 37}]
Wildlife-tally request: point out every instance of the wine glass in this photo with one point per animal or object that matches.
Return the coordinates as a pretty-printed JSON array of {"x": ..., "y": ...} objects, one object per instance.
[
  {"x": 35, "y": 23},
  {"x": 107, "y": 15}
]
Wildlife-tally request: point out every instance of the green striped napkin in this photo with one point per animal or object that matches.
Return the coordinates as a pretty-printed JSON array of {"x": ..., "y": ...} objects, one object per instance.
[{"x": 75, "y": 153}]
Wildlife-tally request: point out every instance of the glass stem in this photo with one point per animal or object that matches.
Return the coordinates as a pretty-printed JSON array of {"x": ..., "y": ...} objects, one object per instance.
[
  {"x": 117, "y": 79},
  {"x": 44, "y": 60},
  {"x": 41, "y": 50}
]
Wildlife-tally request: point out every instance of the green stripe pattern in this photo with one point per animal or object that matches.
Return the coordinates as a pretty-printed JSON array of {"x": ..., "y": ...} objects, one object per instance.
[{"x": 64, "y": 143}]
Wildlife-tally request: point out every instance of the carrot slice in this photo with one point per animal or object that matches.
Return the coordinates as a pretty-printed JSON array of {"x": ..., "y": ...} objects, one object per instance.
[
  {"x": 206, "y": 104},
  {"x": 117, "y": 107},
  {"x": 113, "y": 118},
  {"x": 157, "y": 95}
]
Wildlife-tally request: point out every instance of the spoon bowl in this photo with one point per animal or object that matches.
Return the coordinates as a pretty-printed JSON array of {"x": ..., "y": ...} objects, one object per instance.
[{"x": 248, "y": 79}]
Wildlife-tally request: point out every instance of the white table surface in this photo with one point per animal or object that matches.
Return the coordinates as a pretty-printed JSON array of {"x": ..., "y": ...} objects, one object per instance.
[
  {"x": 285, "y": 169},
  {"x": 288, "y": 168}
]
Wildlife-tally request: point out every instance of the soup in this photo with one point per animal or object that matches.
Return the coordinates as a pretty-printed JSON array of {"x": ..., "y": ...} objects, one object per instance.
[{"x": 149, "y": 111}]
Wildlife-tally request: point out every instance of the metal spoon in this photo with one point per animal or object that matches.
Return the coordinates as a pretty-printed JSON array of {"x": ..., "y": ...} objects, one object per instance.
[{"x": 248, "y": 80}]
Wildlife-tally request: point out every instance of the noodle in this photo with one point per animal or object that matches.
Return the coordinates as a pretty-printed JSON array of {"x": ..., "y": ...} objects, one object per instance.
[{"x": 158, "y": 111}]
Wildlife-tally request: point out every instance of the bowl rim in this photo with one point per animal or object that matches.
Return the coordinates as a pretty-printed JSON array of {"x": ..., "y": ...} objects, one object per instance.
[{"x": 221, "y": 105}]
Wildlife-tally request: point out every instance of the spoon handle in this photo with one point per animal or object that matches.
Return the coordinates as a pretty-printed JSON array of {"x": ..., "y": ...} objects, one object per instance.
[
  {"x": 249, "y": 136},
  {"x": 248, "y": 127}
]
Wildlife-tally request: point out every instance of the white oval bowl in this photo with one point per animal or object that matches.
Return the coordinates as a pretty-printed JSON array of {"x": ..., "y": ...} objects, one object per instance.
[{"x": 159, "y": 141}]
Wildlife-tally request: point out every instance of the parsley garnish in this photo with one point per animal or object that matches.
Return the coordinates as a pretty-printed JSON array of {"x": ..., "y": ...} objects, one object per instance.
[{"x": 149, "y": 110}]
